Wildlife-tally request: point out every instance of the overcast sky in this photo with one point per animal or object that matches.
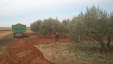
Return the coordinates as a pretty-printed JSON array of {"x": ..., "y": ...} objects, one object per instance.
[{"x": 28, "y": 11}]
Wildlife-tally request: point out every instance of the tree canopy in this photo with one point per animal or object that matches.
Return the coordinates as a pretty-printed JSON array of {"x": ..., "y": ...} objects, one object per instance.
[{"x": 94, "y": 23}]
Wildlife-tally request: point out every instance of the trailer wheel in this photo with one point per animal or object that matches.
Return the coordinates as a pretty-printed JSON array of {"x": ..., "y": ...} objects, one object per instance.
[{"x": 19, "y": 34}]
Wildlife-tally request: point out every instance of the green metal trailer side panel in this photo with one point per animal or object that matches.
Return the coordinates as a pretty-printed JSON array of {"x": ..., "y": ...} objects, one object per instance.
[{"x": 19, "y": 28}]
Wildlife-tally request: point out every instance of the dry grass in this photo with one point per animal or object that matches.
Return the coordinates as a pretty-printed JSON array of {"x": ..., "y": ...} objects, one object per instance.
[
  {"x": 3, "y": 34},
  {"x": 56, "y": 53},
  {"x": 4, "y": 43},
  {"x": 71, "y": 53},
  {"x": 91, "y": 51},
  {"x": 28, "y": 31}
]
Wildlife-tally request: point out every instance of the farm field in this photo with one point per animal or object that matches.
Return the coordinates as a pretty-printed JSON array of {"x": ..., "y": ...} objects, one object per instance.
[
  {"x": 70, "y": 53},
  {"x": 6, "y": 37},
  {"x": 23, "y": 48},
  {"x": 38, "y": 49},
  {"x": 5, "y": 33},
  {"x": 4, "y": 43},
  {"x": 5, "y": 28}
]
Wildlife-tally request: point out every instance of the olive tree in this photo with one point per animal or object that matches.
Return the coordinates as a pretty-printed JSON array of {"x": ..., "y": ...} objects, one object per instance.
[
  {"x": 65, "y": 24},
  {"x": 35, "y": 26},
  {"x": 56, "y": 25},
  {"x": 94, "y": 23},
  {"x": 77, "y": 29},
  {"x": 110, "y": 28},
  {"x": 50, "y": 25}
]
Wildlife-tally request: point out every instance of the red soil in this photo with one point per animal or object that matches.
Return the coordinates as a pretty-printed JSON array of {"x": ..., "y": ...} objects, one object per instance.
[
  {"x": 22, "y": 51},
  {"x": 107, "y": 39}
]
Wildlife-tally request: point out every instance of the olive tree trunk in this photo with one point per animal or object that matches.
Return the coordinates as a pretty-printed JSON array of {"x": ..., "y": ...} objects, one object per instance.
[
  {"x": 109, "y": 40},
  {"x": 100, "y": 40}
]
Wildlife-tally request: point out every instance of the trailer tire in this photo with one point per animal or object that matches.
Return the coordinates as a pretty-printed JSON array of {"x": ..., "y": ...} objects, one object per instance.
[{"x": 19, "y": 34}]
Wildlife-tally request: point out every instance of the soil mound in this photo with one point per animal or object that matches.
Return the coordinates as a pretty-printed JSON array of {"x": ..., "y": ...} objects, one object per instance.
[{"x": 22, "y": 51}]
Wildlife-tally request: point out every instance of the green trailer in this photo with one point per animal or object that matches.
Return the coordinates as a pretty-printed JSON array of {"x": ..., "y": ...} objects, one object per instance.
[{"x": 19, "y": 30}]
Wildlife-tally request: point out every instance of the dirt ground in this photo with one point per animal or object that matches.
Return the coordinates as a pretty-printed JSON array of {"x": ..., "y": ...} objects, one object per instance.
[
  {"x": 22, "y": 50},
  {"x": 3, "y": 34},
  {"x": 5, "y": 39},
  {"x": 38, "y": 49},
  {"x": 4, "y": 43},
  {"x": 57, "y": 53},
  {"x": 2, "y": 50}
]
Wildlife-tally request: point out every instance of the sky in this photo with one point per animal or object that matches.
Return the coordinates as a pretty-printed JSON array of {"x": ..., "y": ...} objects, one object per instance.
[{"x": 28, "y": 11}]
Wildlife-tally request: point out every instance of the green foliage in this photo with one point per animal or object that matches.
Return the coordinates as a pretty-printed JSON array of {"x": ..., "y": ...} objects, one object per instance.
[
  {"x": 95, "y": 23},
  {"x": 110, "y": 24},
  {"x": 35, "y": 26},
  {"x": 77, "y": 28},
  {"x": 47, "y": 26},
  {"x": 56, "y": 26},
  {"x": 65, "y": 25},
  {"x": 50, "y": 25}
]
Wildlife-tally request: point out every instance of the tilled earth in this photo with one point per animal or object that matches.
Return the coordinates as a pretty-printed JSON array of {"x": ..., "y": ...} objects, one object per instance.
[{"x": 22, "y": 50}]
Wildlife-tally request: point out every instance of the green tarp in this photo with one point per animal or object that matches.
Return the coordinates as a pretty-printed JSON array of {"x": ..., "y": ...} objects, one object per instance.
[{"x": 19, "y": 28}]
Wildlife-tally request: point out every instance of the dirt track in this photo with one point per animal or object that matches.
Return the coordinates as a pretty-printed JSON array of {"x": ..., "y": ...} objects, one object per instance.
[
  {"x": 3, "y": 34},
  {"x": 22, "y": 51}
]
